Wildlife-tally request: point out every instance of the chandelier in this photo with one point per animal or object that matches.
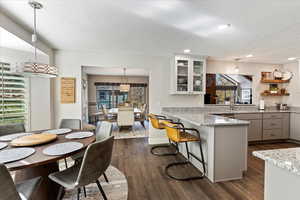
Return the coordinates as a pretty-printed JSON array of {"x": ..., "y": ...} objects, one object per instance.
[
  {"x": 35, "y": 68},
  {"x": 124, "y": 87}
]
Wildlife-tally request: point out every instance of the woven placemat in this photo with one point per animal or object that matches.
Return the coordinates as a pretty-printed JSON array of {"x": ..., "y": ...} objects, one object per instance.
[
  {"x": 10, "y": 137},
  {"x": 11, "y": 155},
  {"x": 62, "y": 148},
  {"x": 58, "y": 131},
  {"x": 79, "y": 135}
]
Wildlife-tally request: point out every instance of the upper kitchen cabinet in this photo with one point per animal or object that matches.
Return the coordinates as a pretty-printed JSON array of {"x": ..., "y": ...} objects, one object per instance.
[{"x": 189, "y": 75}]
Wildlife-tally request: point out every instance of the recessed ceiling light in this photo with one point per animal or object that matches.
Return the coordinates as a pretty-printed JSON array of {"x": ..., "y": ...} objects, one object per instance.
[
  {"x": 224, "y": 26},
  {"x": 187, "y": 51},
  {"x": 249, "y": 56},
  {"x": 292, "y": 58}
]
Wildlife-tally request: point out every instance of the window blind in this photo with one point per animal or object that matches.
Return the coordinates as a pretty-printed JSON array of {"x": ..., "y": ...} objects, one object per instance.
[{"x": 13, "y": 96}]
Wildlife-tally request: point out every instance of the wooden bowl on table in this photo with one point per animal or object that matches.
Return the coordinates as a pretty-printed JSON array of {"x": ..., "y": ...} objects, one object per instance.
[{"x": 33, "y": 140}]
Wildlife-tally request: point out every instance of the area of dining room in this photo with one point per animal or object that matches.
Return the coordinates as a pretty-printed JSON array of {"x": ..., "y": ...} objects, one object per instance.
[
  {"x": 118, "y": 95},
  {"x": 39, "y": 159}
]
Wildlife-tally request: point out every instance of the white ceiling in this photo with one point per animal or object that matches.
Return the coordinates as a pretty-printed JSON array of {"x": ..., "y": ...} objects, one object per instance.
[
  {"x": 268, "y": 29},
  {"x": 115, "y": 71}
]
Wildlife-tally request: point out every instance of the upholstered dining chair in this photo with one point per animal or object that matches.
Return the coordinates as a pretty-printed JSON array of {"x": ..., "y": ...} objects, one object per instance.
[
  {"x": 74, "y": 124},
  {"x": 141, "y": 117},
  {"x": 125, "y": 116},
  {"x": 11, "y": 128},
  {"x": 21, "y": 191},
  {"x": 107, "y": 116},
  {"x": 70, "y": 123},
  {"x": 103, "y": 131},
  {"x": 95, "y": 162}
]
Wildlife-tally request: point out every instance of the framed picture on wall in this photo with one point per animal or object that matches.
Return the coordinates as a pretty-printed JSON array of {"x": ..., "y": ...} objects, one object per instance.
[{"x": 68, "y": 90}]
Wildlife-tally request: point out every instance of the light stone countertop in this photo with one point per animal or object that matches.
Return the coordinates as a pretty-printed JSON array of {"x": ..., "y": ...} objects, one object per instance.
[
  {"x": 203, "y": 119},
  {"x": 207, "y": 115},
  {"x": 288, "y": 159}
]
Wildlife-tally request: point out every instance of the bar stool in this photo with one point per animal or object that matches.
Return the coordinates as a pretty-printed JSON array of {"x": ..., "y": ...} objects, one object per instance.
[
  {"x": 157, "y": 123},
  {"x": 177, "y": 133}
]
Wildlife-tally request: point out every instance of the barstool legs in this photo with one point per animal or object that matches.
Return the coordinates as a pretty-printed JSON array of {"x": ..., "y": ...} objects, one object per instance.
[
  {"x": 188, "y": 162},
  {"x": 165, "y": 146}
]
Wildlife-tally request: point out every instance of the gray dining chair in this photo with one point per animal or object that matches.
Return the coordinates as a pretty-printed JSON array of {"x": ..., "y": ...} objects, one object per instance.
[
  {"x": 95, "y": 162},
  {"x": 21, "y": 191},
  {"x": 103, "y": 131},
  {"x": 11, "y": 129},
  {"x": 70, "y": 123},
  {"x": 74, "y": 124}
]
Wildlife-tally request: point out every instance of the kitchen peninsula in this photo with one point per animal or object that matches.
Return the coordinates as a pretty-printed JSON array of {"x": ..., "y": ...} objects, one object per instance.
[
  {"x": 224, "y": 143},
  {"x": 225, "y": 134}
]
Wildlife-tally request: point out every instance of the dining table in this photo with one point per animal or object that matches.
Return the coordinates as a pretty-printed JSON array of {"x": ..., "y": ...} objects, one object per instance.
[
  {"x": 115, "y": 111},
  {"x": 41, "y": 165}
]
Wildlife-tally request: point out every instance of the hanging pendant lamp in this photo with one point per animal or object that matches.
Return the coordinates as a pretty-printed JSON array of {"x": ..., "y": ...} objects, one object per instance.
[
  {"x": 124, "y": 87},
  {"x": 35, "y": 68}
]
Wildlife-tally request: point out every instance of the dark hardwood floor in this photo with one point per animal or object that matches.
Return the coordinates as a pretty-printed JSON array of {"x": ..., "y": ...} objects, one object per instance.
[{"x": 146, "y": 178}]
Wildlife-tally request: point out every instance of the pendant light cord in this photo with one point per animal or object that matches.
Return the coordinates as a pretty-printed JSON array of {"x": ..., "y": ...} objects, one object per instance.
[{"x": 34, "y": 36}]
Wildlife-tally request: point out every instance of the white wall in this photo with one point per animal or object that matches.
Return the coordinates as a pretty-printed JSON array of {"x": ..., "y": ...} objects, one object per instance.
[
  {"x": 70, "y": 63},
  {"x": 294, "y": 86},
  {"x": 39, "y": 89}
]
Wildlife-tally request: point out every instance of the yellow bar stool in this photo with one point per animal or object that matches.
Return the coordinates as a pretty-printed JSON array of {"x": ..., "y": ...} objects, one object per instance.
[
  {"x": 157, "y": 123},
  {"x": 177, "y": 133}
]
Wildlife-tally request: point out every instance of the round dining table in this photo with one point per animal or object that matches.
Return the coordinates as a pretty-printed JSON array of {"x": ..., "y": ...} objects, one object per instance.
[{"x": 41, "y": 165}]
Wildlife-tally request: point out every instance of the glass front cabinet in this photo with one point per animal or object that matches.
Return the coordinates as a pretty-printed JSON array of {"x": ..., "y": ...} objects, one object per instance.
[{"x": 189, "y": 75}]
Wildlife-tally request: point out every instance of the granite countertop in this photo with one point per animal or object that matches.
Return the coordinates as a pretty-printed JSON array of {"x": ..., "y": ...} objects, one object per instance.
[
  {"x": 204, "y": 119},
  {"x": 288, "y": 159},
  {"x": 208, "y": 115}
]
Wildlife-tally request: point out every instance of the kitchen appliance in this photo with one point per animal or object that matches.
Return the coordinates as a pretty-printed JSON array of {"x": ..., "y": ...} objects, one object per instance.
[
  {"x": 281, "y": 106},
  {"x": 261, "y": 104}
]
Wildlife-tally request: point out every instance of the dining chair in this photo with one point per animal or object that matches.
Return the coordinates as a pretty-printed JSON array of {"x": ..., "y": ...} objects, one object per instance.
[
  {"x": 141, "y": 117},
  {"x": 125, "y": 116},
  {"x": 11, "y": 128},
  {"x": 107, "y": 115},
  {"x": 74, "y": 124},
  {"x": 103, "y": 131},
  {"x": 21, "y": 191},
  {"x": 96, "y": 160}
]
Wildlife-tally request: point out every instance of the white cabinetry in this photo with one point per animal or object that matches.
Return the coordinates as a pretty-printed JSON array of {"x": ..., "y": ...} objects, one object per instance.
[
  {"x": 189, "y": 75},
  {"x": 295, "y": 126}
]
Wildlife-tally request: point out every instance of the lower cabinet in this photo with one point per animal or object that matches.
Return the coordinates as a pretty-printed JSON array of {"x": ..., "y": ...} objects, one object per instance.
[
  {"x": 295, "y": 126},
  {"x": 255, "y": 126},
  {"x": 255, "y": 130},
  {"x": 269, "y": 126}
]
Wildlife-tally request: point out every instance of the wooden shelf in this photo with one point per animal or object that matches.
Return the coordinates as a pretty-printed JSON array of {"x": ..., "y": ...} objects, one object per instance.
[
  {"x": 274, "y": 95},
  {"x": 274, "y": 81}
]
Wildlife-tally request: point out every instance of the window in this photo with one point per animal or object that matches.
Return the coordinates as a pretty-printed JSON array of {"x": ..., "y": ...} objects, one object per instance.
[
  {"x": 109, "y": 94},
  {"x": 13, "y": 96}
]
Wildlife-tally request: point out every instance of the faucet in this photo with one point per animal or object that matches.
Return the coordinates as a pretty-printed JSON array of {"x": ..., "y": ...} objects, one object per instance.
[{"x": 231, "y": 105}]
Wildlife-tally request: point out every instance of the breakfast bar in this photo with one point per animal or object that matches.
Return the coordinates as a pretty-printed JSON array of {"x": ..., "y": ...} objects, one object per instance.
[{"x": 224, "y": 143}]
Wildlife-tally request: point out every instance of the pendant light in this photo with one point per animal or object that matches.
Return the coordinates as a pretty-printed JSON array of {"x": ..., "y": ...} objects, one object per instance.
[
  {"x": 124, "y": 87},
  {"x": 35, "y": 68}
]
